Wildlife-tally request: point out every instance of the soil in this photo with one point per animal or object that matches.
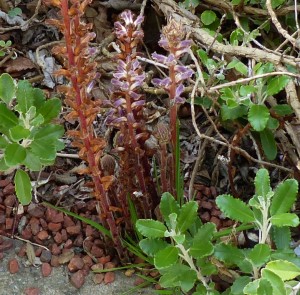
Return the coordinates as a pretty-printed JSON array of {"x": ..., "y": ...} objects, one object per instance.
[{"x": 29, "y": 280}]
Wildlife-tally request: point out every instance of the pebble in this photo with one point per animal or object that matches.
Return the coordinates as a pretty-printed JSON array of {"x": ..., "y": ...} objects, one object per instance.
[
  {"x": 54, "y": 227},
  {"x": 35, "y": 228},
  {"x": 77, "y": 279},
  {"x": 54, "y": 216},
  {"x": 109, "y": 265},
  {"x": 46, "y": 256},
  {"x": 206, "y": 205},
  {"x": 9, "y": 223},
  {"x": 109, "y": 277},
  {"x": 76, "y": 263},
  {"x": 46, "y": 269},
  {"x": 54, "y": 261},
  {"x": 6, "y": 245},
  {"x": 4, "y": 182},
  {"x": 32, "y": 291},
  {"x": 10, "y": 201},
  {"x": 216, "y": 221},
  {"x": 68, "y": 221},
  {"x": 98, "y": 278},
  {"x": 26, "y": 234},
  {"x": 96, "y": 251},
  {"x": 73, "y": 230},
  {"x": 104, "y": 259},
  {"x": 9, "y": 189},
  {"x": 58, "y": 238},
  {"x": 97, "y": 266},
  {"x": 55, "y": 250},
  {"x": 13, "y": 266},
  {"x": 36, "y": 210},
  {"x": 43, "y": 235},
  {"x": 139, "y": 281},
  {"x": 87, "y": 260}
]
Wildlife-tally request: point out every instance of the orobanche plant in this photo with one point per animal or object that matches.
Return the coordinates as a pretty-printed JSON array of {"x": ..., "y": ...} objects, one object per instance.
[
  {"x": 187, "y": 252},
  {"x": 273, "y": 271},
  {"x": 28, "y": 139}
]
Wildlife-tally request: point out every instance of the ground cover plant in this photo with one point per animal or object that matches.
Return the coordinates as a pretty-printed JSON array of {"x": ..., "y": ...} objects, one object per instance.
[{"x": 174, "y": 111}]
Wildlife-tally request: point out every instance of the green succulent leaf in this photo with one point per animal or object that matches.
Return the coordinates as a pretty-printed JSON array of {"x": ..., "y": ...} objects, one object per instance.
[
  {"x": 151, "y": 228},
  {"x": 3, "y": 142},
  {"x": 285, "y": 219},
  {"x": 152, "y": 246},
  {"x": 259, "y": 255},
  {"x": 276, "y": 84},
  {"x": 208, "y": 17},
  {"x": 8, "y": 118},
  {"x": 24, "y": 96},
  {"x": 228, "y": 254},
  {"x": 281, "y": 236},
  {"x": 258, "y": 116},
  {"x": 251, "y": 288},
  {"x": 262, "y": 183},
  {"x": 32, "y": 162},
  {"x": 284, "y": 269},
  {"x": 187, "y": 216},
  {"x": 232, "y": 113},
  {"x": 276, "y": 282},
  {"x": 18, "y": 132},
  {"x": 284, "y": 196},
  {"x": 7, "y": 88},
  {"x": 23, "y": 187},
  {"x": 283, "y": 109},
  {"x": 168, "y": 205},
  {"x": 268, "y": 143},
  {"x": 49, "y": 132},
  {"x": 239, "y": 284},
  {"x": 50, "y": 109},
  {"x": 166, "y": 257},
  {"x": 234, "y": 208},
  {"x": 14, "y": 154},
  {"x": 179, "y": 275}
]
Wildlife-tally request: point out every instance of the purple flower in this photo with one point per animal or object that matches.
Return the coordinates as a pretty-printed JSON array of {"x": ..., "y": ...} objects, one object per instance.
[
  {"x": 182, "y": 73},
  {"x": 179, "y": 90},
  {"x": 164, "y": 83}
]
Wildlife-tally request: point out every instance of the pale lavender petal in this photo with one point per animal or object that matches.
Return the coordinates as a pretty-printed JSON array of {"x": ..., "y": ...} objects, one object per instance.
[
  {"x": 159, "y": 57},
  {"x": 138, "y": 103},
  {"x": 119, "y": 102}
]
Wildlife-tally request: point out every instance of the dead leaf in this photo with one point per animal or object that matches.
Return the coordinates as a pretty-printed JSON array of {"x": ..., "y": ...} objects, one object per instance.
[
  {"x": 30, "y": 253},
  {"x": 19, "y": 64},
  {"x": 65, "y": 257}
]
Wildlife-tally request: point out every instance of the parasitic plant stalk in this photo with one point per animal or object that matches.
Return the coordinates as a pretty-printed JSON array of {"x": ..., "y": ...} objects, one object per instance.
[{"x": 81, "y": 72}]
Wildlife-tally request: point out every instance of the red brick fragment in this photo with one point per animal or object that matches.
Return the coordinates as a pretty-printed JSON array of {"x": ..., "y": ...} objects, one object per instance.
[
  {"x": 13, "y": 266},
  {"x": 77, "y": 279},
  {"x": 46, "y": 269}
]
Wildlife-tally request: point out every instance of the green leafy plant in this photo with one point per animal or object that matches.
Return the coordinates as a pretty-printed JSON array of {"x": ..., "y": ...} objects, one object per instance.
[
  {"x": 28, "y": 139},
  {"x": 268, "y": 210},
  {"x": 4, "y": 47},
  {"x": 180, "y": 246}
]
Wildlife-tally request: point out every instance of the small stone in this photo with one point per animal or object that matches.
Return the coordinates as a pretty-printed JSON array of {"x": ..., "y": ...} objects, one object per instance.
[
  {"x": 139, "y": 281},
  {"x": 205, "y": 216},
  {"x": 55, "y": 250},
  {"x": 215, "y": 212},
  {"x": 98, "y": 278},
  {"x": 54, "y": 216},
  {"x": 73, "y": 230},
  {"x": 213, "y": 191},
  {"x": 216, "y": 221},
  {"x": 89, "y": 231},
  {"x": 54, "y": 227},
  {"x": 98, "y": 266},
  {"x": 78, "y": 241},
  {"x": 58, "y": 238},
  {"x": 46, "y": 269},
  {"x": 109, "y": 265},
  {"x": 46, "y": 256},
  {"x": 68, "y": 221},
  {"x": 38, "y": 252},
  {"x": 77, "y": 279},
  {"x": 68, "y": 244},
  {"x": 10, "y": 201},
  {"x": 43, "y": 235},
  {"x": 36, "y": 210},
  {"x": 64, "y": 235},
  {"x": 22, "y": 251},
  {"x": 9, "y": 223},
  {"x": 13, "y": 266},
  {"x": 87, "y": 260},
  {"x": 206, "y": 205},
  {"x": 75, "y": 264},
  {"x": 4, "y": 182},
  {"x": 32, "y": 291},
  {"x": 129, "y": 272},
  {"x": 26, "y": 234},
  {"x": 6, "y": 245},
  {"x": 35, "y": 228},
  {"x": 9, "y": 189},
  {"x": 96, "y": 251},
  {"x": 109, "y": 277},
  {"x": 44, "y": 224},
  {"x": 104, "y": 259},
  {"x": 54, "y": 261}
]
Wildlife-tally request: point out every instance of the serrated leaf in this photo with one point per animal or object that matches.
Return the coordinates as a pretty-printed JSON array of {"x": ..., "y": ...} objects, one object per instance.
[
  {"x": 281, "y": 236},
  {"x": 232, "y": 113},
  {"x": 276, "y": 282},
  {"x": 24, "y": 96},
  {"x": 167, "y": 206},
  {"x": 23, "y": 187},
  {"x": 208, "y": 17},
  {"x": 276, "y": 84},
  {"x": 179, "y": 275},
  {"x": 265, "y": 287},
  {"x": 283, "y": 109},
  {"x": 234, "y": 208},
  {"x": 7, "y": 88},
  {"x": 152, "y": 246},
  {"x": 45, "y": 150},
  {"x": 239, "y": 284},
  {"x": 258, "y": 116},
  {"x": 268, "y": 143},
  {"x": 262, "y": 182},
  {"x": 3, "y": 142},
  {"x": 187, "y": 216},
  {"x": 49, "y": 132},
  {"x": 284, "y": 269},
  {"x": 151, "y": 228},
  {"x": 32, "y": 162},
  {"x": 228, "y": 254},
  {"x": 14, "y": 154},
  {"x": 285, "y": 219},
  {"x": 284, "y": 197},
  {"x": 251, "y": 288},
  {"x": 50, "y": 109},
  {"x": 166, "y": 257},
  {"x": 259, "y": 255}
]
